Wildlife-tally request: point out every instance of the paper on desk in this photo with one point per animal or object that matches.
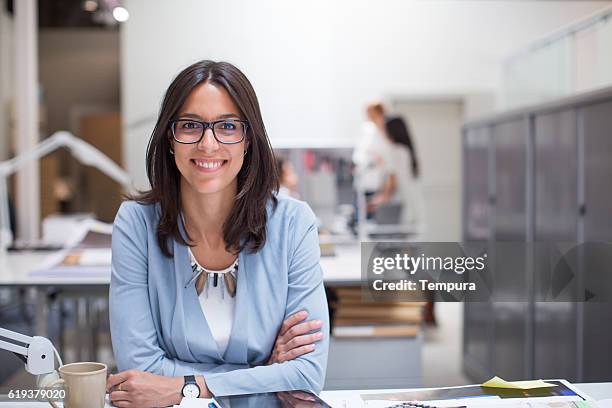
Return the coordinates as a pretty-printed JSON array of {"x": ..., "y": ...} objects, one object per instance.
[
  {"x": 349, "y": 401},
  {"x": 533, "y": 403},
  {"x": 491, "y": 403},
  {"x": 194, "y": 403},
  {"x": 437, "y": 404},
  {"x": 95, "y": 256},
  {"x": 497, "y": 382}
]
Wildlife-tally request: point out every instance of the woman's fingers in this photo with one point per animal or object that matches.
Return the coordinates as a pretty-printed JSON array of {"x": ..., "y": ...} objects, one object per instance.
[
  {"x": 292, "y": 340},
  {"x": 295, "y": 352},
  {"x": 114, "y": 379},
  {"x": 119, "y": 396},
  {"x": 292, "y": 320},
  {"x": 300, "y": 329},
  {"x": 303, "y": 340}
]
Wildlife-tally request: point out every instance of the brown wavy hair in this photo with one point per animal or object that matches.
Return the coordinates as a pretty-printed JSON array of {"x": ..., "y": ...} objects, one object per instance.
[{"x": 245, "y": 226}]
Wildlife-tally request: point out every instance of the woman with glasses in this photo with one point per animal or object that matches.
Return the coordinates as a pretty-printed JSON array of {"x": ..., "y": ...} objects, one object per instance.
[{"x": 216, "y": 287}]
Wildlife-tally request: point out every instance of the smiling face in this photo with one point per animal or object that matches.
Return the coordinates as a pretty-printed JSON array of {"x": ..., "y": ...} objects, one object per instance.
[{"x": 209, "y": 167}]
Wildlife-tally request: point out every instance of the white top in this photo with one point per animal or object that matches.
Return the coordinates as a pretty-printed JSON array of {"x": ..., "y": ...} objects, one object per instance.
[
  {"x": 371, "y": 158},
  {"x": 218, "y": 308},
  {"x": 407, "y": 193}
]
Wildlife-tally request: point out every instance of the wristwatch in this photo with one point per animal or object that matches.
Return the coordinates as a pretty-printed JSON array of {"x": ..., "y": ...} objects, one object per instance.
[{"x": 191, "y": 389}]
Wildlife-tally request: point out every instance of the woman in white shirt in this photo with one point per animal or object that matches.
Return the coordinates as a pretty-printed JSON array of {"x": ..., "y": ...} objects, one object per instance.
[{"x": 402, "y": 170}]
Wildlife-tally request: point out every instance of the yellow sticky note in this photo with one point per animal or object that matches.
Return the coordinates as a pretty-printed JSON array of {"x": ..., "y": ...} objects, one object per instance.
[{"x": 497, "y": 382}]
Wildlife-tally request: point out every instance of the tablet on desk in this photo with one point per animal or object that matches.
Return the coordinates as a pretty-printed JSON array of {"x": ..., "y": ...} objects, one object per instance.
[{"x": 285, "y": 399}]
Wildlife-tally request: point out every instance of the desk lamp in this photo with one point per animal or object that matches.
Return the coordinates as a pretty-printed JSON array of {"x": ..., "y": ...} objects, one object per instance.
[
  {"x": 80, "y": 149},
  {"x": 38, "y": 354}
]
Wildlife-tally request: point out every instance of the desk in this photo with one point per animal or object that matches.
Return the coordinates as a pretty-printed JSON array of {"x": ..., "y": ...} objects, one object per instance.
[
  {"x": 15, "y": 270},
  {"x": 372, "y": 369},
  {"x": 597, "y": 391},
  {"x": 342, "y": 269}
]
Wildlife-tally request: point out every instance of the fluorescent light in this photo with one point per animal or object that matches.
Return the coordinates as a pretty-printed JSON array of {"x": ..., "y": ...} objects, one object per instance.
[{"x": 121, "y": 14}]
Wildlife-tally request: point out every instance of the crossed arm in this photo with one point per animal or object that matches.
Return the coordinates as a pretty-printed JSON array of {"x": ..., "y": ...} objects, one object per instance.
[{"x": 134, "y": 388}]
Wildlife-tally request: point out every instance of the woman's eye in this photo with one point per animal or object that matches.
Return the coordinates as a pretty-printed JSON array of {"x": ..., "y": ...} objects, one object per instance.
[
  {"x": 228, "y": 126},
  {"x": 189, "y": 125}
]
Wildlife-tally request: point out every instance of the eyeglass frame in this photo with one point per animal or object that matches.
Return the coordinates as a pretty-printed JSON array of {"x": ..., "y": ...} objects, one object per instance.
[{"x": 211, "y": 126}]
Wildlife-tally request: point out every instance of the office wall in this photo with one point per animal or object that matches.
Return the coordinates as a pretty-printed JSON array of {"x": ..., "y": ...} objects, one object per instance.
[
  {"x": 6, "y": 76},
  {"x": 315, "y": 64},
  {"x": 435, "y": 128},
  {"x": 79, "y": 68}
]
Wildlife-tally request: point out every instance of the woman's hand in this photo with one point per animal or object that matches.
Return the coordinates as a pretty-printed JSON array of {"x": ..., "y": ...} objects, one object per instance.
[
  {"x": 135, "y": 388},
  {"x": 292, "y": 341}
]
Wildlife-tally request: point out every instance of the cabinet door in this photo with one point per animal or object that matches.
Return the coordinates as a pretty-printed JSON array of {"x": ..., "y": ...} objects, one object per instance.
[
  {"x": 510, "y": 141},
  {"x": 597, "y": 227},
  {"x": 556, "y": 220},
  {"x": 510, "y": 225},
  {"x": 478, "y": 325},
  {"x": 477, "y": 153}
]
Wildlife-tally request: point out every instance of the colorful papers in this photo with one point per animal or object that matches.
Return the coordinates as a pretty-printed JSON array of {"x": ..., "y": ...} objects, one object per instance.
[{"x": 497, "y": 382}]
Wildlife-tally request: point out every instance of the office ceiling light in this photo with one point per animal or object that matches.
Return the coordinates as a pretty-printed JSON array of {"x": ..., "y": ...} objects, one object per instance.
[
  {"x": 120, "y": 14},
  {"x": 90, "y": 5}
]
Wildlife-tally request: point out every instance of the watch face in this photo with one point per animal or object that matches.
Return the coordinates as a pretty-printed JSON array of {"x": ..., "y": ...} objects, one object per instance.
[{"x": 191, "y": 391}]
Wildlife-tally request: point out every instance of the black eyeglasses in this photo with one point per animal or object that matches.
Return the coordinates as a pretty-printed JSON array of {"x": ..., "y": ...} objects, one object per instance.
[{"x": 225, "y": 131}]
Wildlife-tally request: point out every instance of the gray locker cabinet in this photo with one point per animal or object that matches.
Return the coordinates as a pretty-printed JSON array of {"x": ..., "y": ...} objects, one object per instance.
[
  {"x": 597, "y": 227},
  {"x": 510, "y": 225},
  {"x": 555, "y": 220},
  {"x": 550, "y": 174},
  {"x": 478, "y": 326},
  {"x": 477, "y": 153}
]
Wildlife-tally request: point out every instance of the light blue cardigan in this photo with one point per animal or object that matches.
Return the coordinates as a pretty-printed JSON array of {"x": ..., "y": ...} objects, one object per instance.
[{"x": 157, "y": 324}]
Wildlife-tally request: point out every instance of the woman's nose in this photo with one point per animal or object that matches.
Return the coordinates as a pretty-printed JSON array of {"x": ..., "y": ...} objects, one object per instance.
[{"x": 208, "y": 141}]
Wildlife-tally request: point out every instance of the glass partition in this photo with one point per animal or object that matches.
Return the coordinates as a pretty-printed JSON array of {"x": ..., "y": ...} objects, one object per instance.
[{"x": 575, "y": 59}]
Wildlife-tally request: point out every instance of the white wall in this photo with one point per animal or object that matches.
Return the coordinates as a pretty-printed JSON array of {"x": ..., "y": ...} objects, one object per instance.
[
  {"x": 315, "y": 64},
  {"x": 435, "y": 127}
]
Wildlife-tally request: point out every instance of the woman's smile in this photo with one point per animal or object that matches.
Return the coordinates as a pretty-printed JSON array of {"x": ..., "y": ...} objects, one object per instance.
[{"x": 208, "y": 165}]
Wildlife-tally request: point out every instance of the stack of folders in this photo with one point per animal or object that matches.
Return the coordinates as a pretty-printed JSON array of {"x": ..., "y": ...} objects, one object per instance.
[{"x": 354, "y": 317}]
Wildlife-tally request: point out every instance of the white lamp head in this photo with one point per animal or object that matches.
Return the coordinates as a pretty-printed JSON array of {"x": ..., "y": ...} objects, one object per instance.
[{"x": 41, "y": 359}]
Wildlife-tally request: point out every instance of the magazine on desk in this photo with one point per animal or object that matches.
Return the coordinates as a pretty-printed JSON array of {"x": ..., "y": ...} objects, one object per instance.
[
  {"x": 88, "y": 253},
  {"x": 563, "y": 395}
]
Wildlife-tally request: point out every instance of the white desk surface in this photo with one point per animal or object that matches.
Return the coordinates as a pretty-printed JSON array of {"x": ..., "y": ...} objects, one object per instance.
[
  {"x": 15, "y": 267},
  {"x": 15, "y": 270},
  {"x": 597, "y": 391},
  {"x": 344, "y": 267}
]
